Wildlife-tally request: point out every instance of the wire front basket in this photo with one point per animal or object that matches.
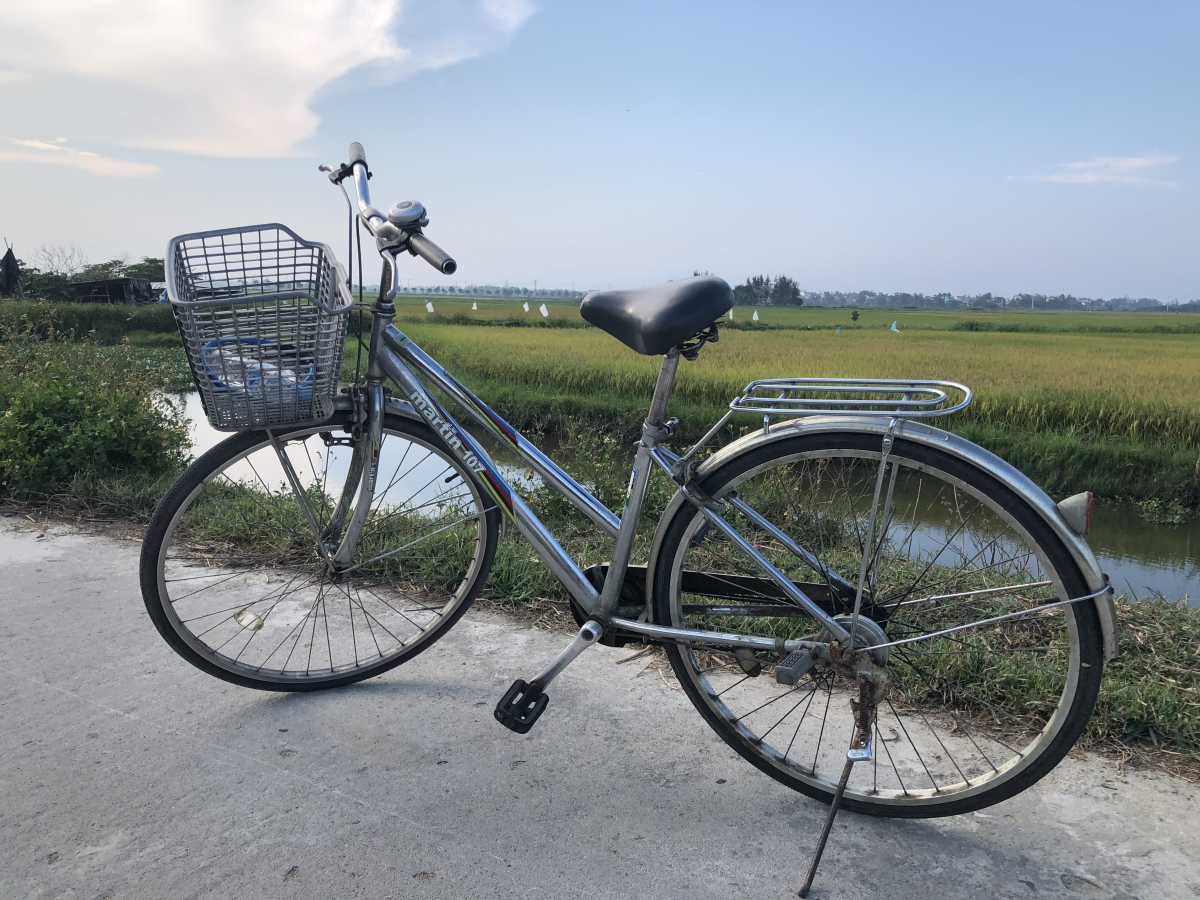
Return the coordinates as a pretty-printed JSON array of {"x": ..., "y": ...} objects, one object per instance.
[{"x": 262, "y": 314}]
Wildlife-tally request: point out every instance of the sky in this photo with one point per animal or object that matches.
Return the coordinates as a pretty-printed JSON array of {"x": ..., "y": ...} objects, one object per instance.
[{"x": 961, "y": 147}]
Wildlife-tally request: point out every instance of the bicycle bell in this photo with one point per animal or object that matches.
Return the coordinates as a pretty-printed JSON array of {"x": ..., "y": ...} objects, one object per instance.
[{"x": 408, "y": 214}]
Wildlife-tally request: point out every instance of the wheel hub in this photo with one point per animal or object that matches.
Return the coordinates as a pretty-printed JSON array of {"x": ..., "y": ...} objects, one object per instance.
[{"x": 866, "y": 633}]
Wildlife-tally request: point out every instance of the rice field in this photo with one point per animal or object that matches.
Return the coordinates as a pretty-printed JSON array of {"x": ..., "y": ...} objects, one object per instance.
[
  {"x": 1099, "y": 401},
  {"x": 1133, "y": 385}
]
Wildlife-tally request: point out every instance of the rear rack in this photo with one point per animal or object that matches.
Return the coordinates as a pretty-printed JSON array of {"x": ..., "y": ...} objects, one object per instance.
[{"x": 898, "y": 398}]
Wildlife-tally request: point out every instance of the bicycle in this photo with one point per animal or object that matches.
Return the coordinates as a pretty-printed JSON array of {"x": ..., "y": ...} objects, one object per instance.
[{"x": 844, "y": 571}]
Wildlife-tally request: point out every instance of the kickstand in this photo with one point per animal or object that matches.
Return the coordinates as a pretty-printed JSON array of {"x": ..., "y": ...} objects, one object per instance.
[
  {"x": 862, "y": 747},
  {"x": 833, "y": 810}
]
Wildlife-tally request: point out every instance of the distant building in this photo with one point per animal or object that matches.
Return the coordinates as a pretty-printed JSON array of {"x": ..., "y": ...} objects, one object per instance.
[{"x": 112, "y": 290}]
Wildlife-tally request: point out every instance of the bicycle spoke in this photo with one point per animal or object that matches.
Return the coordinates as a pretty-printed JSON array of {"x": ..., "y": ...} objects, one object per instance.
[
  {"x": 420, "y": 540},
  {"x": 807, "y": 705},
  {"x": 824, "y": 719},
  {"x": 912, "y": 744},
  {"x": 879, "y": 741},
  {"x": 768, "y": 703},
  {"x": 763, "y": 736}
]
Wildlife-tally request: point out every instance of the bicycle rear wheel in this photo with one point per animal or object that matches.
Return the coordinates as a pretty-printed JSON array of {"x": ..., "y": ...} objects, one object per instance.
[
  {"x": 971, "y": 717},
  {"x": 233, "y": 579}
]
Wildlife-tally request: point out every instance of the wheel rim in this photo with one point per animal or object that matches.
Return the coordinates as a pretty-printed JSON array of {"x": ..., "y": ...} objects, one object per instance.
[
  {"x": 241, "y": 580},
  {"x": 928, "y": 751}
]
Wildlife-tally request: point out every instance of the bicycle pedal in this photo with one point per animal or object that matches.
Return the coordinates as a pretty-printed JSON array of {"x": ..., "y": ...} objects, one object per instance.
[
  {"x": 792, "y": 669},
  {"x": 520, "y": 706}
]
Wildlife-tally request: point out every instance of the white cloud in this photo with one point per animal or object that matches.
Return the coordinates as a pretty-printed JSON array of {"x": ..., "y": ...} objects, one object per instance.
[
  {"x": 12, "y": 76},
  {"x": 509, "y": 14},
  {"x": 1139, "y": 170},
  {"x": 56, "y": 152},
  {"x": 229, "y": 78}
]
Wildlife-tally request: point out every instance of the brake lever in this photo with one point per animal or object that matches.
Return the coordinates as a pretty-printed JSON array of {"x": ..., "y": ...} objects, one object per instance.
[{"x": 340, "y": 174}]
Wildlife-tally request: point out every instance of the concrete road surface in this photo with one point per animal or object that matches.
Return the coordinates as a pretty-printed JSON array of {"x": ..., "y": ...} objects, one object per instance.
[{"x": 124, "y": 772}]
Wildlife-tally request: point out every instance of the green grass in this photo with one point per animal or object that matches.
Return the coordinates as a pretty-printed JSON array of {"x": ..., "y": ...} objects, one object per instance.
[{"x": 101, "y": 322}]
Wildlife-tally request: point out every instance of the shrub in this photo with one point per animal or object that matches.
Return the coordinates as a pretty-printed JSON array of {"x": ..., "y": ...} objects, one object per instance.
[
  {"x": 75, "y": 410},
  {"x": 107, "y": 323}
]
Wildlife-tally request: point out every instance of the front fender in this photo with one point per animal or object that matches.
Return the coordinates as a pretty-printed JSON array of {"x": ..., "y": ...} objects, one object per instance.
[
  {"x": 394, "y": 407},
  {"x": 918, "y": 433}
]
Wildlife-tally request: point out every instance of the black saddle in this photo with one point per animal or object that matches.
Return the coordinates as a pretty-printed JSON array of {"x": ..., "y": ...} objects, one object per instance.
[{"x": 654, "y": 320}]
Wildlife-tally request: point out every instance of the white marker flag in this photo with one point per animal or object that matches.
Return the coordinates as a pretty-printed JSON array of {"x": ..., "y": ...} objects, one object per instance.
[
  {"x": 429, "y": 306},
  {"x": 754, "y": 318},
  {"x": 525, "y": 306},
  {"x": 731, "y": 315},
  {"x": 474, "y": 306},
  {"x": 894, "y": 327},
  {"x": 545, "y": 312}
]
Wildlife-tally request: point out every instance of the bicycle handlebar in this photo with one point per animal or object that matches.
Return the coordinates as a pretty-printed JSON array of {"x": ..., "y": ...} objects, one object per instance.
[
  {"x": 383, "y": 230},
  {"x": 432, "y": 253}
]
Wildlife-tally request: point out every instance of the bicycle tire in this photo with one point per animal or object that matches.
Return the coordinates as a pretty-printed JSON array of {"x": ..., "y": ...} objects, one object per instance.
[
  {"x": 1086, "y": 623},
  {"x": 212, "y": 462}
]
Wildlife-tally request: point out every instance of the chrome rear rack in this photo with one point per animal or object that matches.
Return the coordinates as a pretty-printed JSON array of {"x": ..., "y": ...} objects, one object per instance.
[{"x": 895, "y": 397}]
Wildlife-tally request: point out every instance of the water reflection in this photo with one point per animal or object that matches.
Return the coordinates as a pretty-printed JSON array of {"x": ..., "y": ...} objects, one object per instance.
[
  {"x": 1141, "y": 559},
  {"x": 1145, "y": 559},
  {"x": 405, "y": 476}
]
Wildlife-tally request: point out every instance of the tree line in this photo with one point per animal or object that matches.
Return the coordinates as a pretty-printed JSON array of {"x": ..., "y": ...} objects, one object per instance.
[
  {"x": 57, "y": 268},
  {"x": 763, "y": 290}
]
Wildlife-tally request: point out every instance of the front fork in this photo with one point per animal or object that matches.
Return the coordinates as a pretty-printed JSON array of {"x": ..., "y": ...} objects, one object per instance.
[
  {"x": 340, "y": 538},
  {"x": 362, "y": 475}
]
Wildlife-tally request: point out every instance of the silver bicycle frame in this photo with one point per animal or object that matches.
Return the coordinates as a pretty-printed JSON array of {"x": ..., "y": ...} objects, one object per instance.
[{"x": 399, "y": 358}]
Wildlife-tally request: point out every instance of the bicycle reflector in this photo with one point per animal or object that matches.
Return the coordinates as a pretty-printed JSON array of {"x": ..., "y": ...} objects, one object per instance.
[{"x": 1077, "y": 510}]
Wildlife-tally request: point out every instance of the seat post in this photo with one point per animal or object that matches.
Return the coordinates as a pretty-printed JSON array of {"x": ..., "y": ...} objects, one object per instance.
[
  {"x": 653, "y": 431},
  {"x": 663, "y": 388}
]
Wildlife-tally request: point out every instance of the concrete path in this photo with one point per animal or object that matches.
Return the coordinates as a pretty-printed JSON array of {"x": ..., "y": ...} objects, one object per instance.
[{"x": 124, "y": 772}]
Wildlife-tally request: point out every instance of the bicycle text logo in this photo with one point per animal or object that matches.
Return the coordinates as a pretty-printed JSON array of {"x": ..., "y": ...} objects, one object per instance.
[{"x": 446, "y": 430}]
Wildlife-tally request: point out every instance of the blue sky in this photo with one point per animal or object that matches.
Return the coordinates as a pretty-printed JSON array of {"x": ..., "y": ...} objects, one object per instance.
[{"x": 961, "y": 147}]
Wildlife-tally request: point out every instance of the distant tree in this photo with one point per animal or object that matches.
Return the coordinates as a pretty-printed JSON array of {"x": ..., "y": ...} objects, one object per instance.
[
  {"x": 854, "y": 315},
  {"x": 59, "y": 260},
  {"x": 785, "y": 292},
  {"x": 102, "y": 271},
  {"x": 50, "y": 278},
  {"x": 151, "y": 268}
]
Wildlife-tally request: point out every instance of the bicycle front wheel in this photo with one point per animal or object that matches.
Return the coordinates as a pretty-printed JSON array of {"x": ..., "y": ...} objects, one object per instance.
[
  {"x": 234, "y": 579},
  {"x": 970, "y": 717}
]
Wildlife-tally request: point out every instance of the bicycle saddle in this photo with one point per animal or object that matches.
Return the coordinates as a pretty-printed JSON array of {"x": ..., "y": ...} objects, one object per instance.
[{"x": 653, "y": 320}]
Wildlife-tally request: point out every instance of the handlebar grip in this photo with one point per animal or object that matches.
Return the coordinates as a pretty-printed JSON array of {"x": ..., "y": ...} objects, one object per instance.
[
  {"x": 432, "y": 254},
  {"x": 357, "y": 154}
]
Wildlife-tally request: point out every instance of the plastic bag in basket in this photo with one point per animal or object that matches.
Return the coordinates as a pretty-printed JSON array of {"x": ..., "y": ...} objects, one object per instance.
[{"x": 233, "y": 364}]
